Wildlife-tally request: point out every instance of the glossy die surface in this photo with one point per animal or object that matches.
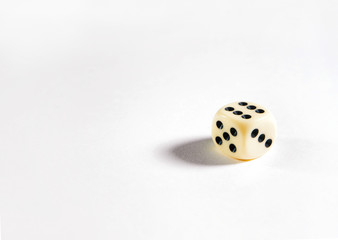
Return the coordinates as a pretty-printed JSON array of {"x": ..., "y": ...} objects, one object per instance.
[{"x": 243, "y": 130}]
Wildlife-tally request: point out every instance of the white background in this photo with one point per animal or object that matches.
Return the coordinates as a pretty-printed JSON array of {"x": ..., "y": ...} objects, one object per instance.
[{"x": 106, "y": 110}]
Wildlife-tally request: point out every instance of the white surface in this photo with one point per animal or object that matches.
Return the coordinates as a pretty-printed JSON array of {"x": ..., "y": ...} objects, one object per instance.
[{"x": 106, "y": 109}]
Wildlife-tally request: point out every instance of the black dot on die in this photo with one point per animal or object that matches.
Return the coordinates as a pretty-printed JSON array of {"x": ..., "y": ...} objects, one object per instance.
[
  {"x": 268, "y": 143},
  {"x": 246, "y": 116},
  {"x": 254, "y": 133},
  {"x": 259, "y": 111},
  {"x": 229, "y": 109},
  {"x": 218, "y": 140},
  {"x": 251, "y": 107},
  {"x": 219, "y": 124},
  {"x": 226, "y": 136},
  {"x": 261, "y": 138},
  {"x": 237, "y": 112},
  {"x": 232, "y": 147},
  {"x": 233, "y": 132},
  {"x": 242, "y": 103}
]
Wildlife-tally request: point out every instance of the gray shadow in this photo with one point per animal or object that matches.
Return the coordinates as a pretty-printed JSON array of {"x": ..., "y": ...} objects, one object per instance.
[{"x": 201, "y": 152}]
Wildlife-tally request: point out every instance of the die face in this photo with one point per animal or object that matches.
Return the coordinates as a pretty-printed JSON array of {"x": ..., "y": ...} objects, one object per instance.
[
  {"x": 228, "y": 136},
  {"x": 260, "y": 137},
  {"x": 244, "y": 111},
  {"x": 255, "y": 130}
]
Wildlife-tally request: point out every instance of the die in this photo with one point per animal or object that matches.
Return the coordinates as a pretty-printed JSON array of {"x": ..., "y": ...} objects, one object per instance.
[{"x": 243, "y": 130}]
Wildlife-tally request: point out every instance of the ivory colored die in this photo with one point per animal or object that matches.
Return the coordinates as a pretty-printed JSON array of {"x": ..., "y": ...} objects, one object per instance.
[{"x": 243, "y": 130}]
